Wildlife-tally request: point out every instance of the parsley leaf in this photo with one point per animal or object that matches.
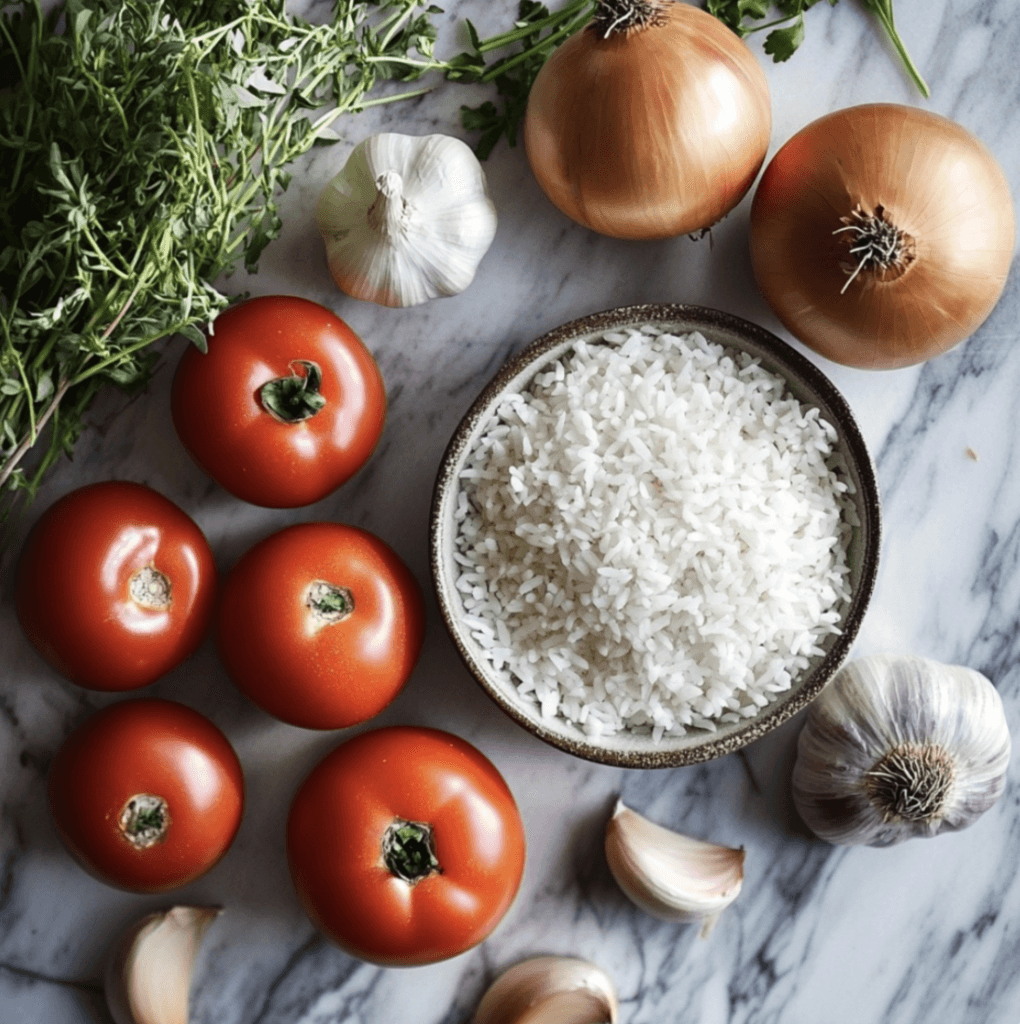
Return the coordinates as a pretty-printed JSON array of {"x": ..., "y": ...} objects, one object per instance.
[
  {"x": 733, "y": 12},
  {"x": 781, "y": 43},
  {"x": 787, "y": 31}
]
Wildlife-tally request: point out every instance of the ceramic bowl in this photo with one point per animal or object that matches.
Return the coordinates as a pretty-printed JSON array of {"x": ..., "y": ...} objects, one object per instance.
[{"x": 806, "y": 383}]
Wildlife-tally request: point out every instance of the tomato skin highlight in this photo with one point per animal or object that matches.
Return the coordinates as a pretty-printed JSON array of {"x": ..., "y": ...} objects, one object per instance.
[
  {"x": 221, "y": 420},
  {"x": 73, "y": 586},
  {"x": 295, "y": 667},
  {"x": 147, "y": 746},
  {"x": 335, "y": 831}
]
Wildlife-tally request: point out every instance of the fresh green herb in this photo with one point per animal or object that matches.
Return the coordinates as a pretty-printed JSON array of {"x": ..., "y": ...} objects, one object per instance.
[
  {"x": 141, "y": 150},
  {"x": 539, "y": 33},
  {"x": 787, "y": 31}
]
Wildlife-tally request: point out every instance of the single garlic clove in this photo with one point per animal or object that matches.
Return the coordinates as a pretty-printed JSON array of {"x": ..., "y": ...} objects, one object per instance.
[
  {"x": 668, "y": 875},
  {"x": 148, "y": 977},
  {"x": 550, "y": 990}
]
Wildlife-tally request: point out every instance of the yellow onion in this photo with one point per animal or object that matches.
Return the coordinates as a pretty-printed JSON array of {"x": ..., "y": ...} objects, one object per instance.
[
  {"x": 882, "y": 235},
  {"x": 652, "y": 121}
]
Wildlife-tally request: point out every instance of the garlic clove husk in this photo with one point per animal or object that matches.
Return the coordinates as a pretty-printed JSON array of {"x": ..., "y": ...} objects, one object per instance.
[
  {"x": 669, "y": 875},
  {"x": 407, "y": 219},
  {"x": 897, "y": 747},
  {"x": 550, "y": 990},
  {"x": 148, "y": 976}
]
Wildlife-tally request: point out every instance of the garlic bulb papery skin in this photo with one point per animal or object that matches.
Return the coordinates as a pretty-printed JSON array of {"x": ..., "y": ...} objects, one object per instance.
[
  {"x": 408, "y": 219},
  {"x": 550, "y": 990},
  {"x": 148, "y": 976},
  {"x": 897, "y": 747},
  {"x": 669, "y": 875}
]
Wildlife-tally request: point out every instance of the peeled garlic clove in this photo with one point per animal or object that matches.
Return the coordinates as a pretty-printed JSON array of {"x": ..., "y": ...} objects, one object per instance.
[
  {"x": 550, "y": 990},
  {"x": 148, "y": 977},
  {"x": 900, "y": 746},
  {"x": 668, "y": 875}
]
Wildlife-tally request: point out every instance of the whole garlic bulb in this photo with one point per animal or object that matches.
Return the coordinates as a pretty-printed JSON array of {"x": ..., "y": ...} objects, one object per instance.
[
  {"x": 408, "y": 219},
  {"x": 897, "y": 747}
]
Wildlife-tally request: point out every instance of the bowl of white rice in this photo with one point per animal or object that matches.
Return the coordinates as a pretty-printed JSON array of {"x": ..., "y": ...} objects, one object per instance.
[{"x": 655, "y": 534}]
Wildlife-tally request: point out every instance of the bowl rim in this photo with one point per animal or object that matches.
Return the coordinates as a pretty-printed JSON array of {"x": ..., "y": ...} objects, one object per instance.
[{"x": 787, "y": 359}]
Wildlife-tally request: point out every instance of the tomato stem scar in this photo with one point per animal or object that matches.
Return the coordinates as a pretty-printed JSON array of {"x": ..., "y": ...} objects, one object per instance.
[
  {"x": 295, "y": 397},
  {"x": 329, "y": 603},
  {"x": 149, "y": 588},
  {"x": 409, "y": 850},
  {"x": 144, "y": 820}
]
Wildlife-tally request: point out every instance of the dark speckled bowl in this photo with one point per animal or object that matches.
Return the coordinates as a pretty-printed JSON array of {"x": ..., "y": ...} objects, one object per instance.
[{"x": 809, "y": 385}]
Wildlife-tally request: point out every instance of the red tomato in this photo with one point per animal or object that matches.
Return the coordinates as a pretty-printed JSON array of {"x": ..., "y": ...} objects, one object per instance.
[
  {"x": 286, "y": 405},
  {"x": 405, "y": 846},
  {"x": 321, "y": 624},
  {"x": 147, "y": 795},
  {"x": 115, "y": 586}
]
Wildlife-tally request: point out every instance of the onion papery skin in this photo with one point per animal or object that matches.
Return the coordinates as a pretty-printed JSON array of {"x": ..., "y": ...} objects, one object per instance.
[
  {"x": 650, "y": 133},
  {"x": 935, "y": 181}
]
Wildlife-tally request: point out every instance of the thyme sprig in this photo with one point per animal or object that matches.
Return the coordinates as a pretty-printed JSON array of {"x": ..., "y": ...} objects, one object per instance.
[{"x": 142, "y": 148}]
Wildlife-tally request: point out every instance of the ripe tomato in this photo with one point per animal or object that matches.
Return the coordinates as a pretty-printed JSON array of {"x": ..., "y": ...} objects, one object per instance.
[
  {"x": 320, "y": 624},
  {"x": 115, "y": 586},
  {"x": 405, "y": 846},
  {"x": 286, "y": 405},
  {"x": 147, "y": 794}
]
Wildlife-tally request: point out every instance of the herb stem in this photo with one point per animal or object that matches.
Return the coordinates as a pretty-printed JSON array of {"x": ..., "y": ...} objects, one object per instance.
[
  {"x": 398, "y": 19},
  {"x": 882, "y": 9},
  {"x": 28, "y": 398},
  {"x": 380, "y": 101},
  {"x": 102, "y": 255},
  {"x": 29, "y": 439},
  {"x": 128, "y": 350},
  {"x": 553, "y": 39},
  {"x": 425, "y": 65},
  {"x": 529, "y": 28},
  {"x": 768, "y": 25},
  {"x": 127, "y": 305}
]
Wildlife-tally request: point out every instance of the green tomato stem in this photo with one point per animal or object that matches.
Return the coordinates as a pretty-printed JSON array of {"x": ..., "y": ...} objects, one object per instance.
[
  {"x": 409, "y": 850},
  {"x": 329, "y": 603},
  {"x": 144, "y": 820},
  {"x": 296, "y": 397}
]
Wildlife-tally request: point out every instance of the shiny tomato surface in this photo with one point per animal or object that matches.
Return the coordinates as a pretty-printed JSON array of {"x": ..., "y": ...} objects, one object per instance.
[
  {"x": 346, "y": 813},
  {"x": 147, "y": 794},
  {"x": 225, "y": 419},
  {"x": 115, "y": 586},
  {"x": 321, "y": 624}
]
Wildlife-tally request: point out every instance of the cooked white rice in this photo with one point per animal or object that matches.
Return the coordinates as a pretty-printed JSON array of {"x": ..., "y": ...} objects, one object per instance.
[{"x": 653, "y": 537}]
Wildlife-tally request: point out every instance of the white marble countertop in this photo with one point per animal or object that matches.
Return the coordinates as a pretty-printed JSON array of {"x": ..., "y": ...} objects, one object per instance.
[{"x": 924, "y": 931}]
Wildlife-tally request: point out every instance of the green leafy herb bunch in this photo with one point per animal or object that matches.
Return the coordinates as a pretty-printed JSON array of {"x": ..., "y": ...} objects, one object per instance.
[{"x": 142, "y": 143}]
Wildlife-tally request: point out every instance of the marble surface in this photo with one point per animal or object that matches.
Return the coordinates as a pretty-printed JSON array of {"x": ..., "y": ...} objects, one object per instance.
[{"x": 924, "y": 931}]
